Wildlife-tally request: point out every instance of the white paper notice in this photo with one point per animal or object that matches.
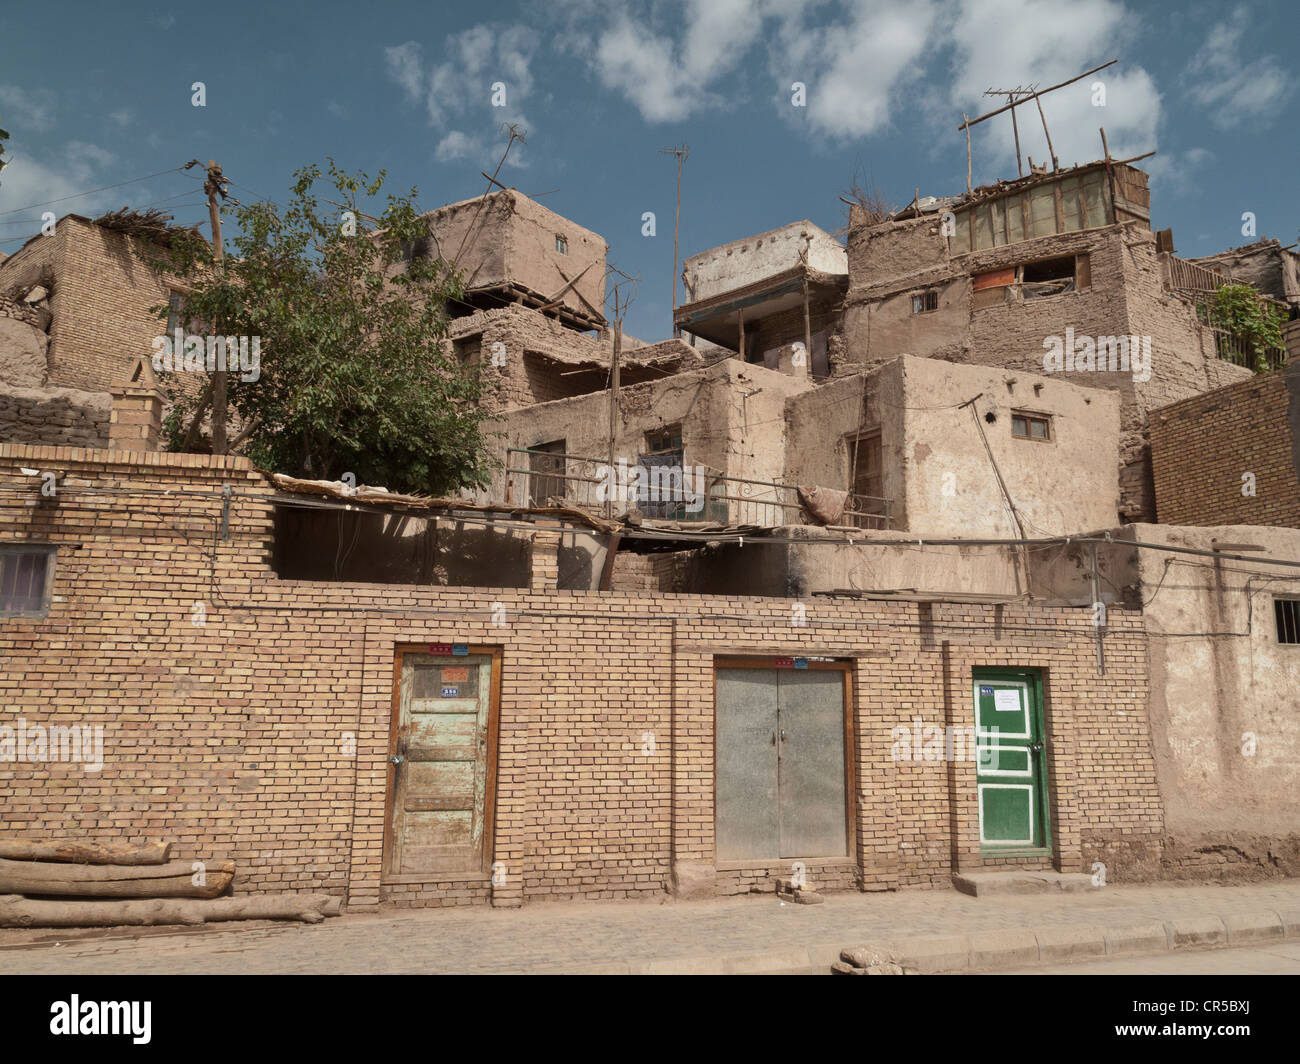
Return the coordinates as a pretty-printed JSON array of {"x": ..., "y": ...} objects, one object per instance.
[{"x": 1007, "y": 700}]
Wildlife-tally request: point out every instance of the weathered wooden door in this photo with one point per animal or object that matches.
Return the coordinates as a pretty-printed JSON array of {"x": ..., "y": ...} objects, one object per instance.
[
  {"x": 440, "y": 808},
  {"x": 781, "y": 769}
]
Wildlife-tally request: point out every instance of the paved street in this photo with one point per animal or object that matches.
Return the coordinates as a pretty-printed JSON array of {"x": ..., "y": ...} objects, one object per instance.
[
  {"x": 1281, "y": 958},
  {"x": 755, "y": 933}
]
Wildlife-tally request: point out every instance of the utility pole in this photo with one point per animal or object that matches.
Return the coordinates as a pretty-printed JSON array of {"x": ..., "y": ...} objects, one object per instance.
[
  {"x": 620, "y": 308},
  {"x": 215, "y": 186},
  {"x": 681, "y": 151}
]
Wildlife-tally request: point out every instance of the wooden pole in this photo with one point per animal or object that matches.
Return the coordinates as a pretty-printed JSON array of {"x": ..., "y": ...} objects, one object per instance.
[
  {"x": 741, "y": 312},
  {"x": 613, "y": 402},
  {"x": 807, "y": 326},
  {"x": 1110, "y": 172},
  {"x": 1016, "y": 130},
  {"x": 1050, "y": 150},
  {"x": 967, "y": 121},
  {"x": 214, "y": 186}
]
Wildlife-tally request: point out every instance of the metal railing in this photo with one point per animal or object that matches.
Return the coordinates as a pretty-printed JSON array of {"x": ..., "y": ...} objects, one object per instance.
[{"x": 685, "y": 493}]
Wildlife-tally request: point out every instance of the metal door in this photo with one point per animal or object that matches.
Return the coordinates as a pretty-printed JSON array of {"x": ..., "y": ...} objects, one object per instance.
[
  {"x": 440, "y": 799},
  {"x": 781, "y": 779},
  {"x": 1010, "y": 774}
]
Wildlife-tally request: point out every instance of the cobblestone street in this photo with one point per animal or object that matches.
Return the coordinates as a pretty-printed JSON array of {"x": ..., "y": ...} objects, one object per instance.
[{"x": 749, "y": 933}]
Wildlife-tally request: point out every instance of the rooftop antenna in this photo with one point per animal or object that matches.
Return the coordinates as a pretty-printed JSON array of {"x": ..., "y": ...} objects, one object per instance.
[
  {"x": 681, "y": 151},
  {"x": 1036, "y": 95},
  {"x": 513, "y": 130},
  {"x": 1011, "y": 95}
]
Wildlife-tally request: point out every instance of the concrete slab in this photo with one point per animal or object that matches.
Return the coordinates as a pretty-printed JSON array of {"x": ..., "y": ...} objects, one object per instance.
[
  {"x": 1248, "y": 929},
  {"x": 1197, "y": 931},
  {"x": 981, "y": 884},
  {"x": 1063, "y": 944}
]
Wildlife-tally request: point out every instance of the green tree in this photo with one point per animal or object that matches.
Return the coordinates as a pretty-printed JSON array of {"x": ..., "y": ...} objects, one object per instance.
[
  {"x": 353, "y": 376},
  {"x": 1256, "y": 323}
]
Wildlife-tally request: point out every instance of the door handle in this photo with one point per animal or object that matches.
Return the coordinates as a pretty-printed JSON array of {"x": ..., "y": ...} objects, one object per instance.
[
  {"x": 782, "y": 735},
  {"x": 1036, "y": 747},
  {"x": 396, "y": 759}
]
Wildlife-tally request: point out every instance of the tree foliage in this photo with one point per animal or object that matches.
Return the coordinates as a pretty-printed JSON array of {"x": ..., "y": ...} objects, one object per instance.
[
  {"x": 353, "y": 377},
  {"x": 1254, "y": 322}
]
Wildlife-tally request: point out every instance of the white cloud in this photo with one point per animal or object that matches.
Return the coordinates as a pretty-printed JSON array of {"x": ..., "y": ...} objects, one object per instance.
[
  {"x": 1174, "y": 172},
  {"x": 403, "y": 64},
  {"x": 1233, "y": 84},
  {"x": 458, "y": 145},
  {"x": 29, "y": 180},
  {"x": 1041, "y": 43},
  {"x": 667, "y": 81},
  {"x": 33, "y": 109},
  {"x": 853, "y": 69},
  {"x": 460, "y": 88},
  {"x": 123, "y": 118}
]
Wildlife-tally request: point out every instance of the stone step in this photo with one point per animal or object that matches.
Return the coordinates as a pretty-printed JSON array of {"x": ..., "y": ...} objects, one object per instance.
[{"x": 979, "y": 884}]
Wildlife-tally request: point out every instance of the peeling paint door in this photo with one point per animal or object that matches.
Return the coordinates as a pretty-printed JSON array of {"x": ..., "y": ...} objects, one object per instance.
[
  {"x": 440, "y": 800},
  {"x": 781, "y": 772}
]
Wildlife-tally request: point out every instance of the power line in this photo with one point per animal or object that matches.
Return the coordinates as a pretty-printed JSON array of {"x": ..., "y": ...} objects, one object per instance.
[{"x": 88, "y": 192}]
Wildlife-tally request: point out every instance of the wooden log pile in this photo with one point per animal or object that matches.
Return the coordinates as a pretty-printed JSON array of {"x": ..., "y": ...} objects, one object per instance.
[{"x": 138, "y": 885}]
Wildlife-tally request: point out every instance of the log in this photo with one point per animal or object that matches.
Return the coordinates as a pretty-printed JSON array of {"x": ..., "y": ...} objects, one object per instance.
[
  {"x": 84, "y": 853},
  {"x": 170, "y": 880},
  {"x": 17, "y": 911}
]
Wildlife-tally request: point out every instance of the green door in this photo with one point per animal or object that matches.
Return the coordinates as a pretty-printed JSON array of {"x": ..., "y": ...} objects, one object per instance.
[{"x": 1011, "y": 767}]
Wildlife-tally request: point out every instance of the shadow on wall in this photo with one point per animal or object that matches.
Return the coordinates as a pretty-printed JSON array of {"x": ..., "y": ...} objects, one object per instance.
[{"x": 357, "y": 547}]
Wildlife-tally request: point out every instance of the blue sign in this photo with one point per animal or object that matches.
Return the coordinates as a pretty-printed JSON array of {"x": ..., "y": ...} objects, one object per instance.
[
  {"x": 451, "y": 692},
  {"x": 801, "y": 663},
  {"x": 986, "y": 690},
  {"x": 460, "y": 649}
]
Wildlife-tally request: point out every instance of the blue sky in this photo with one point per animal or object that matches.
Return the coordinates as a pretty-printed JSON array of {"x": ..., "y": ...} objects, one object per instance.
[{"x": 96, "y": 94}]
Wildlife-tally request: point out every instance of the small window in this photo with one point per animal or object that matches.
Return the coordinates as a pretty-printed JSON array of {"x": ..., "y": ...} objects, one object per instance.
[
  {"x": 925, "y": 301},
  {"x": 664, "y": 440},
  {"x": 1031, "y": 426},
  {"x": 26, "y": 575},
  {"x": 561, "y": 245},
  {"x": 1287, "y": 613}
]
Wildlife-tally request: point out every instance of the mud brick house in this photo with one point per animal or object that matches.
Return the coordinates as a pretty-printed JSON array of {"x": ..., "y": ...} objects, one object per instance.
[
  {"x": 882, "y": 616},
  {"x": 446, "y": 745}
]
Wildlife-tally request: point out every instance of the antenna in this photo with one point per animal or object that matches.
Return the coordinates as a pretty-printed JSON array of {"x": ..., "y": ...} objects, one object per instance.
[{"x": 1024, "y": 97}]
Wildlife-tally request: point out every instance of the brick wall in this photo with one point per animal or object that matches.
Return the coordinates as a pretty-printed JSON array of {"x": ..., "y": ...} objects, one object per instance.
[
  {"x": 103, "y": 289},
  {"x": 230, "y": 736},
  {"x": 1202, "y": 447}
]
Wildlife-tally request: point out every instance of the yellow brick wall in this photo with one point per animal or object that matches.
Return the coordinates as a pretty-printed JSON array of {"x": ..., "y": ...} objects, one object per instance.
[{"x": 229, "y": 737}]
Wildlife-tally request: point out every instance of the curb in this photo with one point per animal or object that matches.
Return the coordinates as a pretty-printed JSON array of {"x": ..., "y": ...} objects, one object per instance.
[
  {"x": 985, "y": 951},
  {"x": 991, "y": 950}
]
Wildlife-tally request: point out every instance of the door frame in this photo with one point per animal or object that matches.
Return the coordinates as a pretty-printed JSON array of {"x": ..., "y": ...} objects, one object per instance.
[
  {"x": 1035, "y": 689},
  {"x": 844, "y": 666},
  {"x": 400, "y": 651}
]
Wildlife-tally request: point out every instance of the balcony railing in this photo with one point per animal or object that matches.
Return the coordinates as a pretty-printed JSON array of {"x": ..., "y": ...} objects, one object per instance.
[{"x": 668, "y": 493}]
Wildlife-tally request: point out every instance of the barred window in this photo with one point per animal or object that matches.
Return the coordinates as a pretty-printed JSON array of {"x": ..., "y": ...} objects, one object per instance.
[{"x": 26, "y": 575}]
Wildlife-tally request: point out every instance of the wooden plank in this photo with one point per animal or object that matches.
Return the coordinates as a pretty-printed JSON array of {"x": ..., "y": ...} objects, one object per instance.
[
  {"x": 441, "y": 754},
  {"x": 426, "y": 804}
]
